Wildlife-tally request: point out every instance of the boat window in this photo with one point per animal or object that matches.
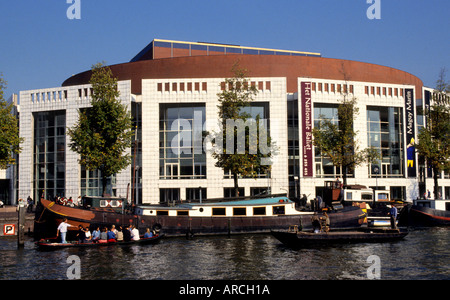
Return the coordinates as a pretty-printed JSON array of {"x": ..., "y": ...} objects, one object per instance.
[
  {"x": 366, "y": 197},
  {"x": 259, "y": 211},
  {"x": 279, "y": 210},
  {"x": 239, "y": 211},
  {"x": 182, "y": 213},
  {"x": 218, "y": 211},
  {"x": 162, "y": 213}
]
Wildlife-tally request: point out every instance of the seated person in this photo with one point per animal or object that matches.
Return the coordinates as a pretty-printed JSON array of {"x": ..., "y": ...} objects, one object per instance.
[
  {"x": 148, "y": 234},
  {"x": 103, "y": 236},
  {"x": 111, "y": 236}
]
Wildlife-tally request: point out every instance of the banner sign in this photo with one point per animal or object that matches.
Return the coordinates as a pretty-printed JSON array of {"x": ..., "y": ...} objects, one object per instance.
[
  {"x": 410, "y": 133},
  {"x": 307, "y": 121}
]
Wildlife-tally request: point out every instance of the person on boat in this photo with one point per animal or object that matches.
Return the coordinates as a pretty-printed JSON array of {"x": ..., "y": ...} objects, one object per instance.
[
  {"x": 135, "y": 234},
  {"x": 326, "y": 222},
  {"x": 87, "y": 232},
  {"x": 96, "y": 235},
  {"x": 111, "y": 236},
  {"x": 81, "y": 235},
  {"x": 119, "y": 234},
  {"x": 148, "y": 234},
  {"x": 127, "y": 234},
  {"x": 113, "y": 229},
  {"x": 316, "y": 223},
  {"x": 393, "y": 214},
  {"x": 62, "y": 228},
  {"x": 103, "y": 236}
]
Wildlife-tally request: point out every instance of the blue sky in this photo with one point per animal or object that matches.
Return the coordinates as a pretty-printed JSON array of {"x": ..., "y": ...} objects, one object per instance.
[{"x": 41, "y": 47}]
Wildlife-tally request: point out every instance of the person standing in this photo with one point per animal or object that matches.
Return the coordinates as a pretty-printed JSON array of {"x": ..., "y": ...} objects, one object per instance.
[
  {"x": 62, "y": 228},
  {"x": 393, "y": 214}
]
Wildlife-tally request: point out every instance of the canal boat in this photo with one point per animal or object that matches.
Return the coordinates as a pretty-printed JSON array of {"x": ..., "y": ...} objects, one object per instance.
[
  {"x": 209, "y": 217},
  {"x": 427, "y": 212},
  {"x": 52, "y": 243},
  {"x": 257, "y": 215},
  {"x": 297, "y": 239}
]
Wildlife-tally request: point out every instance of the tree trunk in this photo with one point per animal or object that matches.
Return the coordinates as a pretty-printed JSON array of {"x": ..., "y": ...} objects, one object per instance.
[
  {"x": 344, "y": 175},
  {"x": 236, "y": 186},
  {"x": 104, "y": 184},
  {"x": 436, "y": 186}
]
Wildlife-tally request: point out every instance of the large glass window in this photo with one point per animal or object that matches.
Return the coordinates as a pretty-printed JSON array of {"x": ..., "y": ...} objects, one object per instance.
[
  {"x": 385, "y": 133},
  {"x": 323, "y": 164},
  {"x": 254, "y": 111},
  {"x": 49, "y": 154},
  {"x": 181, "y": 150}
]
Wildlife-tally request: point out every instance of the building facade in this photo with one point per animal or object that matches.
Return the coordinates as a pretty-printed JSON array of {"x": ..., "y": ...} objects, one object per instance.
[{"x": 171, "y": 89}]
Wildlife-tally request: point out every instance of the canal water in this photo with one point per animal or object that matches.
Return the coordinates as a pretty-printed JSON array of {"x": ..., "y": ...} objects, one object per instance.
[{"x": 423, "y": 254}]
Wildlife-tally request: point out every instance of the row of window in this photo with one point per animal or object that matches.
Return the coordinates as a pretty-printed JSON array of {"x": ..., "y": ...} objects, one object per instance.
[
  {"x": 236, "y": 211},
  {"x": 182, "y": 86},
  {"x": 383, "y": 91},
  {"x": 332, "y": 88}
]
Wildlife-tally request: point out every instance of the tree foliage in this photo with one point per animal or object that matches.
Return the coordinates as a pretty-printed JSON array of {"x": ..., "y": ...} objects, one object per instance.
[
  {"x": 338, "y": 141},
  {"x": 434, "y": 139},
  {"x": 104, "y": 131},
  {"x": 247, "y": 152},
  {"x": 9, "y": 131}
]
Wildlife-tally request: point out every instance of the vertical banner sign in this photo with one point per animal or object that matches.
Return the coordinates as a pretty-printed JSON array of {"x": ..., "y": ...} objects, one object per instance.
[
  {"x": 410, "y": 133},
  {"x": 307, "y": 153}
]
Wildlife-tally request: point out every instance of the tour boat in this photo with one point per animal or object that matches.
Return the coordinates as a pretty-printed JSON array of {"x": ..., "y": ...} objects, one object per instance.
[
  {"x": 52, "y": 243},
  {"x": 211, "y": 217}
]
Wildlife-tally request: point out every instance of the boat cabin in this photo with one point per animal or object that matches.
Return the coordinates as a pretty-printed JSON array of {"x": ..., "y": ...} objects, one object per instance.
[{"x": 241, "y": 208}]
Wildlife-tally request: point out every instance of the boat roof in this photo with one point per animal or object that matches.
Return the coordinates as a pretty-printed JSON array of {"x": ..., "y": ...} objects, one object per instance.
[
  {"x": 262, "y": 201},
  {"x": 246, "y": 202}
]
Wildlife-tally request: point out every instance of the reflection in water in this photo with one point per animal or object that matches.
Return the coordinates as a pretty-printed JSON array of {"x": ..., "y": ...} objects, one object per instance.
[{"x": 424, "y": 254}]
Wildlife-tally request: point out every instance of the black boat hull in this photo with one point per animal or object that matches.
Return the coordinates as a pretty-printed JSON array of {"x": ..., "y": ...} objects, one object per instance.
[
  {"x": 302, "y": 239},
  {"x": 425, "y": 216}
]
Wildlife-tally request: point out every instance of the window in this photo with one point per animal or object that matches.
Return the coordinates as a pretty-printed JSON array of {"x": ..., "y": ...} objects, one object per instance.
[
  {"x": 218, "y": 211},
  {"x": 230, "y": 192},
  {"x": 385, "y": 133},
  {"x": 169, "y": 195},
  {"x": 181, "y": 150},
  {"x": 49, "y": 154},
  {"x": 196, "y": 194},
  {"x": 239, "y": 211},
  {"x": 259, "y": 211},
  {"x": 279, "y": 210},
  {"x": 323, "y": 165}
]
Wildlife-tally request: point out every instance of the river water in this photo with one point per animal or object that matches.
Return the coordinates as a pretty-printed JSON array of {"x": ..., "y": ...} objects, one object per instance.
[{"x": 423, "y": 254}]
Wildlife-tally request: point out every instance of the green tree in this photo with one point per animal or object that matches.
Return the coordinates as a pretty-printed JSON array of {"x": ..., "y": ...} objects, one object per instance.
[
  {"x": 9, "y": 131},
  {"x": 104, "y": 131},
  {"x": 243, "y": 146},
  {"x": 338, "y": 142},
  {"x": 434, "y": 139}
]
